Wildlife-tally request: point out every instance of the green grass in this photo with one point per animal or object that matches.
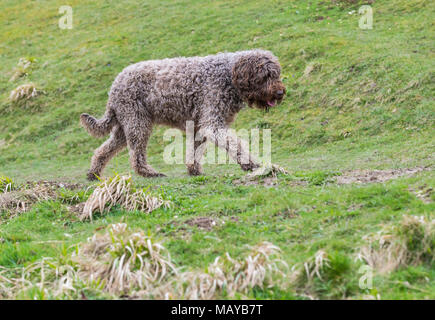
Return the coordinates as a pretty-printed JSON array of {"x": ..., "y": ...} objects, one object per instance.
[{"x": 367, "y": 104}]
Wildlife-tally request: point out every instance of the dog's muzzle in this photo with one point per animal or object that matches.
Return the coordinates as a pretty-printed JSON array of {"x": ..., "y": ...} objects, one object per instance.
[{"x": 279, "y": 95}]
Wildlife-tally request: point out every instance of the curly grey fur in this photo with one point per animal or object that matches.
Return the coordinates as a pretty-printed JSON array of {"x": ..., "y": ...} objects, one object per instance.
[{"x": 208, "y": 90}]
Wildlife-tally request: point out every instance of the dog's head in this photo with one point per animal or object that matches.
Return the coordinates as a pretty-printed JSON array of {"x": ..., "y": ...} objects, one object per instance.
[{"x": 256, "y": 75}]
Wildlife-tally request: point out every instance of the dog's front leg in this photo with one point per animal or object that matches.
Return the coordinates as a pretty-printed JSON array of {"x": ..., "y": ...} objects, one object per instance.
[{"x": 237, "y": 148}]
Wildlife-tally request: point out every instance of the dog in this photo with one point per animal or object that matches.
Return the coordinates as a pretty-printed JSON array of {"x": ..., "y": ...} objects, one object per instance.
[{"x": 208, "y": 90}]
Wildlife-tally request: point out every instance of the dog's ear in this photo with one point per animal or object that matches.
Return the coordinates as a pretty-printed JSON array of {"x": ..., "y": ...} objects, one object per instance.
[
  {"x": 251, "y": 72},
  {"x": 245, "y": 75}
]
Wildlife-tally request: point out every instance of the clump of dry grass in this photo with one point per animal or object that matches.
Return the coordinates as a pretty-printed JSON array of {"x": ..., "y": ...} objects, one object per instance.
[
  {"x": 5, "y": 284},
  {"x": 302, "y": 277},
  {"x": 411, "y": 242},
  {"x": 119, "y": 190},
  {"x": 20, "y": 200},
  {"x": 16, "y": 199},
  {"x": 44, "y": 279},
  {"x": 316, "y": 265},
  {"x": 324, "y": 274},
  {"x": 259, "y": 269},
  {"x": 196, "y": 285},
  {"x": 311, "y": 68},
  {"x": 266, "y": 171},
  {"x": 13, "y": 202},
  {"x": 21, "y": 69},
  {"x": 123, "y": 260},
  {"x": 24, "y": 92}
]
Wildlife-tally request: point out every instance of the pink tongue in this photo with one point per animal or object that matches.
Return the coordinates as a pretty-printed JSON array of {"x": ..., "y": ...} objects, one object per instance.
[{"x": 271, "y": 103}]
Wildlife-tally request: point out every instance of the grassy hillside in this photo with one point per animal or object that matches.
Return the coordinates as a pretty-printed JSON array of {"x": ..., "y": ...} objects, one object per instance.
[{"x": 357, "y": 101}]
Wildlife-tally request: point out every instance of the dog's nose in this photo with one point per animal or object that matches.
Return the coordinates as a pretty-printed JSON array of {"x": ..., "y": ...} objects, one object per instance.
[{"x": 279, "y": 93}]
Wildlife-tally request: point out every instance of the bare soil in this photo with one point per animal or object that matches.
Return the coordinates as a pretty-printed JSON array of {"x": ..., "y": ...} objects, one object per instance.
[
  {"x": 204, "y": 223},
  {"x": 266, "y": 182},
  {"x": 424, "y": 193},
  {"x": 371, "y": 176}
]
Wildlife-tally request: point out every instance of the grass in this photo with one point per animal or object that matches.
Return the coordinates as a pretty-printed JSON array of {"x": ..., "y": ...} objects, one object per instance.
[{"x": 356, "y": 100}]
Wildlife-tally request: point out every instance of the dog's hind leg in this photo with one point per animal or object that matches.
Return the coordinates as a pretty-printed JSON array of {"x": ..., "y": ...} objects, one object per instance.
[
  {"x": 137, "y": 133},
  {"x": 106, "y": 151}
]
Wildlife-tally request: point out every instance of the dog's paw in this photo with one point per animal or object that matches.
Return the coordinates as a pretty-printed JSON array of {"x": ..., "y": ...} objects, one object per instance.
[
  {"x": 194, "y": 171},
  {"x": 92, "y": 176},
  {"x": 158, "y": 174},
  {"x": 249, "y": 166}
]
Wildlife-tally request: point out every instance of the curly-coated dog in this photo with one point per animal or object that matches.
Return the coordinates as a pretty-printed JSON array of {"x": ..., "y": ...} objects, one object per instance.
[{"x": 209, "y": 91}]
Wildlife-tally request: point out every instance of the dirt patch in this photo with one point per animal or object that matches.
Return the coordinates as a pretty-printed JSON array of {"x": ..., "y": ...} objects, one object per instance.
[
  {"x": 54, "y": 185},
  {"x": 371, "y": 176},
  {"x": 298, "y": 183},
  {"x": 354, "y": 207},
  {"x": 424, "y": 193},
  {"x": 234, "y": 219},
  {"x": 78, "y": 208},
  {"x": 204, "y": 223},
  {"x": 287, "y": 214},
  {"x": 266, "y": 182},
  {"x": 18, "y": 201}
]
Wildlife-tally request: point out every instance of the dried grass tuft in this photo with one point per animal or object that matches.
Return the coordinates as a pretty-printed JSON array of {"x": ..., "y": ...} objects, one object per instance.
[
  {"x": 44, "y": 279},
  {"x": 19, "y": 198},
  {"x": 19, "y": 201},
  {"x": 24, "y": 92},
  {"x": 266, "y": 171},
  {"x": 118, "y": 190},
  {"x": 5, "y": 284},
  {"x": 324, "y": 274},
  {"x": 316, "y": 265},
  {"x": 13, "y": 202},
  {"x": 123, "y": 260},
  {"x": 196, "y": 285},
  {"x": 311, "y": 68},
  {"x": 21, "y": 69},
  {"x": 259, "y": 269},
  {"x": 411, "y": 242}
]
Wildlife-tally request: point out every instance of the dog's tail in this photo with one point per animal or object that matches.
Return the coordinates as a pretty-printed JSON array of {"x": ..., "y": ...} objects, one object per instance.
[{"x": 99, "y": 127}]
